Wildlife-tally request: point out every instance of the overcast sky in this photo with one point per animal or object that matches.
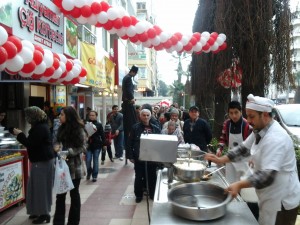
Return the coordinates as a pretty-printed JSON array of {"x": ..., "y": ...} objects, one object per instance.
[{"x": 173, "y": 16}]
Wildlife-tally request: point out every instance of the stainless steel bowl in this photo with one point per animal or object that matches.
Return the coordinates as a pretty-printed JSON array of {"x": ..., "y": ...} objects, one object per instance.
[
  {"x": 189, "y": 170},
  {"x": 199, "y": 201}
]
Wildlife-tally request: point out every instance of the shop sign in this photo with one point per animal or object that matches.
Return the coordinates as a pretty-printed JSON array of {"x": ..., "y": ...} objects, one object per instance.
[
  {"x": 11, "y": 184},
  {"x": 60, "y": 95},
  {"x": 39, "y": 22}
]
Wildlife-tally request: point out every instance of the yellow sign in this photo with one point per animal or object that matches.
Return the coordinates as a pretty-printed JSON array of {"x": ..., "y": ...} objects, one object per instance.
[
  {"x": 60, "y": 95},
  {"x": 100, "y": 69}
]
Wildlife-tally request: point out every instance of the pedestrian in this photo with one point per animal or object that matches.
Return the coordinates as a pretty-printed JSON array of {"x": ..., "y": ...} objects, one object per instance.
[
  {"x": 196, "y": 130},
  {"x": 235, "y": 130},
  {"x": 274, "y": 163},
  {"x": 116, "y": 122},
  {"x": 41, "y": 156},
  {"x": 128, "y": 110},
  {"x": 107, "y": 144},
  {"x": 73, "y": 138},
  {"x": 95, "y": 144},
  {"x": 133, "y": 155},
  {"x": 173, "y": 130},
  {"x": 174, "y": 116}
]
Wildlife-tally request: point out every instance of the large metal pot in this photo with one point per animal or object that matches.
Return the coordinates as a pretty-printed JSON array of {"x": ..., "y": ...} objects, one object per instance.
[
  {"x": 199, "y": 201},
  {"x": 189, "y": 170}
]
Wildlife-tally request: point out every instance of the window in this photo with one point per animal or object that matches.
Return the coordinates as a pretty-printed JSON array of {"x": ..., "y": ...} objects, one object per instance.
[{"x": 142, "y": 73}]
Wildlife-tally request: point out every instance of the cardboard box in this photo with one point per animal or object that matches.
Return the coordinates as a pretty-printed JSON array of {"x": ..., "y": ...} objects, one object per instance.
[{"x": 158, "y": 148}]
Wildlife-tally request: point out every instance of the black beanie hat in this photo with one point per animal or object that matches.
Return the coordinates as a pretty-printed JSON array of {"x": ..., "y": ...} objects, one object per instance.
[{"x": 134, "y": 69}]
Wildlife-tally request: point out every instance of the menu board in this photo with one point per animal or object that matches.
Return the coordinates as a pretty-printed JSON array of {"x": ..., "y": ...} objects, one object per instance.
[{"x": 11, "y": 184}]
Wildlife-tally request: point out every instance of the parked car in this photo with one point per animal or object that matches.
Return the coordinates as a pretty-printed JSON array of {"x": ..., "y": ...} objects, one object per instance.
[{"x": 288, "y": 115}]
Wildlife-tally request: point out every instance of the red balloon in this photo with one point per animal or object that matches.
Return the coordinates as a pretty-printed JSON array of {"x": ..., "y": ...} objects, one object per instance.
[
  {"x": 37, "y": 57},
  {"x": 125, "y": 37},
  {"x": 29, "y": 67},
  {"x": 108, "y": 25},
  {"x": 75, "y": 80},
  {"x": 86, "y": 11},
  {"x": 64, "y": 74},
  {"x": 159, "y": 47},
  {"x": 178, "y": 35},
  {"x": 49, "y": 72},
  {"x": 76, "y": 12},
  {"x": 55, "y": 55},
  {"x": 105, "y": 6},
  {"x": 151, "y": 33},
  {"x": 65, "y": 12},
  {"x": 3, "y": 55},
  {"x": 98, "y": 24},
  {"x": 211, "y": 41},
  {"x": 96, "y": 8},
  {"x": 193, "y": 41},
  {"x": 167, "y": 44},
  {"x": 214, "y": 35},
  {"x": 197, "y": 35},
  {"x": 126, "y": 20},
  {"x": 143, "y": 37},
  {"x": 217, "y": 51},
  {"x": 52, "y": 80},
  {"x": 35, "y": 76},
  {"x": 39, "y": 48},
  {"x": 57, "y": 3},
  {"x": 56, "y": 63},
  {"x": 69, "y": 65},
  {"x": 11, "y": 49},
  {"x": 134, "y": 39},
  {"x": 134, "y": 20},
  {"x": 223, "y": 46},
  {"x": 157, "y": 29},
  {"x": 10, "y": 72},
  {"x": 117, "y": 23},
  {"x": 16, "y": 41},
  {"x": 206, "y": 47},
  {"x": 188, "y": 47},
  {"x": 198, "y": 53},
  {"x": 174, "y": 40},
  {"x": 83, "y": 72}
]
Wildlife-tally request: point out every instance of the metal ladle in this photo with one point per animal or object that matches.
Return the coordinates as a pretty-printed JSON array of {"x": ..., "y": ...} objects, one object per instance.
[{"x": 207, "y": 175}]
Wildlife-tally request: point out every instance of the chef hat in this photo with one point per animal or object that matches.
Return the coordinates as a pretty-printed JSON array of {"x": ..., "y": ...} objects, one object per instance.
[{"x": 259, "y": 103}]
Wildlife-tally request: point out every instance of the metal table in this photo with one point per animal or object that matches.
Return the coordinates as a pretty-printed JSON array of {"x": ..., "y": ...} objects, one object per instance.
[{"x": 237, "y": 210}]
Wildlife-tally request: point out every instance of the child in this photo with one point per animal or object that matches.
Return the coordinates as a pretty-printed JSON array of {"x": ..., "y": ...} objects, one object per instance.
[{"x": 107, "y": 144}]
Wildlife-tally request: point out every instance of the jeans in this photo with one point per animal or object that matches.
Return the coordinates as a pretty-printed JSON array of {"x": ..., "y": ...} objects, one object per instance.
[
  {"x": 119, "y": 144},
  {"x": 74, "y": 212},
  {"x": 92, "y": 154},
  {"x": 108, "y": 150}
]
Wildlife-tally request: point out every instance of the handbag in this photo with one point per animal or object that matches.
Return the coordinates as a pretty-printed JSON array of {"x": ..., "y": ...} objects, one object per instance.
[{"x": 62, "y": 179}]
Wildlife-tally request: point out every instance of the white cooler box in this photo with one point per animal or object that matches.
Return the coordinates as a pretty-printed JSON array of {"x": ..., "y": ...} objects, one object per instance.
[{"x": 158, "y": 148}]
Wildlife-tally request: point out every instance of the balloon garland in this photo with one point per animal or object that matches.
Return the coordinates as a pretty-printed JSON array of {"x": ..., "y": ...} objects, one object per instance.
[
  {"x": 28, "y": 60},
  {"x": 117, "y": 21}
]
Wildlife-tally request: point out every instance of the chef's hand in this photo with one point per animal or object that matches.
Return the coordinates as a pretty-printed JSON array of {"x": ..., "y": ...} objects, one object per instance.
[
  {"x": 236, "y": 187},
  {"x": 219, "y": 152},
  {"x": 16, "y": 131},
  {"x": 216, "y": 159}
]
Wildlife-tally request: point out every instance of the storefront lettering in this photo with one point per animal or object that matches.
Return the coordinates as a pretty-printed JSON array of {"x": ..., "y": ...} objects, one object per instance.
[
  {"x": 92, "y": 61},
  {"x": 26, "y": 18}
]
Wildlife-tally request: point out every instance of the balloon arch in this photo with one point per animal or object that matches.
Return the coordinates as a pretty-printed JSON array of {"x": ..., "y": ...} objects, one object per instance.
[{"x": 28, "y": 60}]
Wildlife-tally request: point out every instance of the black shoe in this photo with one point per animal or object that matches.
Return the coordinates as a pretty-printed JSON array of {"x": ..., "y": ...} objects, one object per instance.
[
  {"x": 138, "y": 199},
  {"x": 111, "y": 160},
  {"x": 33, "y": 217},
  {"x": 94, "y": 179},
  {"x": 41, "y": 219},
  {"x": 88, "y": 176}
]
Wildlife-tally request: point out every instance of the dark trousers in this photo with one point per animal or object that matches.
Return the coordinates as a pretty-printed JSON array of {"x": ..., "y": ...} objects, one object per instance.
[
  {"x": 286, "y": 217},
  {"x": 140, "y": 178},
  {"x": 74, "y": 212},
  {"x": 129, "y": 119},
  {"x": 109, "y": 152}
]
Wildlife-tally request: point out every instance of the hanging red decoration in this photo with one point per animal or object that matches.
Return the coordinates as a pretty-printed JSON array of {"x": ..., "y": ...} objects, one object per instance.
[{"x": 231, "y": 77}]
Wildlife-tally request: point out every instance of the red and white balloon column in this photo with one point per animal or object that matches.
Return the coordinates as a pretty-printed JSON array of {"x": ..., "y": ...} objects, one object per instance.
[
  {"x": 117, "y": 21},
  {"x": 29, "y": 60}
]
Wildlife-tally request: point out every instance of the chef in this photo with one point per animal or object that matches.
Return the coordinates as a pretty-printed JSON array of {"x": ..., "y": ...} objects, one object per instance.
[{"x": 273, "y": 159}]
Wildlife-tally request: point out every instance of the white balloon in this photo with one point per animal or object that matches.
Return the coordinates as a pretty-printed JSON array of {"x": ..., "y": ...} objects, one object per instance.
[
  {"x": 40, "y": 69},
  {"x": 102, "y": 17},
  {"x": 82, "y": 80},
  {"x": 77, "y": 62},
  {"x": 184, "y": 40},
  {"x": 178, "y": 46},
  {"x": 28, "y": 44},
  {"x": 121, "y": 32},
  {"x": 62, "y": 58},
  {"x": 155, "y": 41},
  {"x": 68, "y": 5},
  {"x": 2, "y": 66},
  {"x": 197, "y": 47},
  {"x": 92, "y": 20},
  {"x": 222, "y": 36},
  {"x": 206, "y": 51},
  {"x": 82, "y": 20},
  {"x": 69, "y": 76},
  {"x": 89, "y": 2},
  {"x": 26, "y": 54},
  {"x": 121, "y": 11},
  {"x": 203, "y": 41},
  {"x": 163, "y": 37},
  {"x": 22, "y": 74},
  {"x": 3, "y": 36},
  {"x": 48, "y": 58},
  {"x": 147, "y": 44},
  {"x": 190, "y": 51},
  {"x": 214, "y": 47},
  {"x": 76, "y": 70},
  {"x": 205, "y": 34},
  {"x": 112, "y": 13},
  {"x": 170, "y": 50},
  {"x": 140, "y": 27},
  {"x": 112, "y": 31},
  {"x": 79, "y": 3},
  {"x": 42, "y": 78},
  {"x": 57, "y": 73},
  {"x": 131, "y": 31},
  {"x": 15, "y": 64},
  {"x": 62, "y": 66}
]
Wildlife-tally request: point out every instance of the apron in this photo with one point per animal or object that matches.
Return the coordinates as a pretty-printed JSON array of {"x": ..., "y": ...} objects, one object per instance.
[
  {"x": 270, "y": 197},
  {"x": 234, "y": 170}
]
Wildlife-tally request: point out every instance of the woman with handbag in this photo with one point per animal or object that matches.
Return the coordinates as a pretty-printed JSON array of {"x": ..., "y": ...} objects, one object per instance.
[
  {"x": 72, "y": 136},
  {"x": 41, "y": 154}
]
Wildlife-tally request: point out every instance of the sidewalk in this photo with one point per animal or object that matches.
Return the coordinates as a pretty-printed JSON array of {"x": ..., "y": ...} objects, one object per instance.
[{"x": 109, "y": 201}]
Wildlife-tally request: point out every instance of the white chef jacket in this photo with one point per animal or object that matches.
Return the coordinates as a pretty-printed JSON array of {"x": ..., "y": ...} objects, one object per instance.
[{"x": 275, "y": 151}]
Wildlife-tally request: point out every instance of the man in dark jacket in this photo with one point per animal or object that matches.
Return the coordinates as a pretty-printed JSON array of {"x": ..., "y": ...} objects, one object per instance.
[
  {"x": 128, "y": 110},
  {"x": 95, "y": 142},
  {"x": 196, "y": 130},
  {"x": 133, "y": 152},
  {"x": 116, "y": 122}
]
